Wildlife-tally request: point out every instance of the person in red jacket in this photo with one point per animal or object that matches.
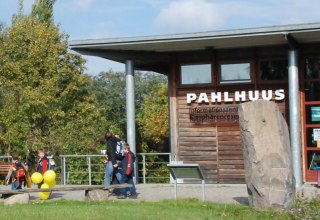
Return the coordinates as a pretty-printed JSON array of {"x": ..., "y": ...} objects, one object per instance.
[
  {"x": 127, "y": 171},
  {"x": 43, "y": 164}
]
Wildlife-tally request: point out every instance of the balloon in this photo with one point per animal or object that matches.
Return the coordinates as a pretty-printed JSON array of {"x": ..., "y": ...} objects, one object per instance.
[
  {"x": 50, "y": 184},
  {"x": 44, "y": 195},
  {"x": 36, "y": 177},
  {"x": 49, "y": 176}
]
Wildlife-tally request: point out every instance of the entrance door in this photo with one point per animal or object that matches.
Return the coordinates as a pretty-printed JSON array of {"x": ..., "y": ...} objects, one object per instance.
[{"x": 311, "y": 119}]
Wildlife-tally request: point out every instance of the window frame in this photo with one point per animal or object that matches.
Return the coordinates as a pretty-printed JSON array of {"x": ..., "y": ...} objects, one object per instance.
[
  {"x": 196, "y": 84},
  {"x": 237, "y": 82},
  {"x": 260, "y": 81}
]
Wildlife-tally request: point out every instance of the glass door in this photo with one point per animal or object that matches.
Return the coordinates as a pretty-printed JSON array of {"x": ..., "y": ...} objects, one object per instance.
[{"x": 311, "y": 112}]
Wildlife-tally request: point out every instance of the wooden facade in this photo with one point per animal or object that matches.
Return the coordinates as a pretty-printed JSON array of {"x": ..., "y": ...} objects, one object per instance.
[{"x": 217, "y": 146}]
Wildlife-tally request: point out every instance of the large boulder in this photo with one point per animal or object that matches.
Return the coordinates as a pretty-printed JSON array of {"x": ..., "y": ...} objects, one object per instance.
[
  {"x": 267, "y": 155},
  {"x": 97, "y": 195},
  {"x": 22, "y": 198}
]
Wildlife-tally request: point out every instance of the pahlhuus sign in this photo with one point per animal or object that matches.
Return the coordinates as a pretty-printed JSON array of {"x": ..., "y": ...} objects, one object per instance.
[{"x": 226, "y": 114}]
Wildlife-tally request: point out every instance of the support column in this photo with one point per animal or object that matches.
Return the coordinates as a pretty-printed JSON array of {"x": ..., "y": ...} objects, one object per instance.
[
  {"x": 172, "y": 113},
  {"x": 294, "y": 108},
  {"x": 130, "y": 109}
]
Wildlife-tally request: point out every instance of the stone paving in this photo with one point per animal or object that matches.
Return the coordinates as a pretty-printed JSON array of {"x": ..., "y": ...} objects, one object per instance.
[{"x": 220, "y": 193}]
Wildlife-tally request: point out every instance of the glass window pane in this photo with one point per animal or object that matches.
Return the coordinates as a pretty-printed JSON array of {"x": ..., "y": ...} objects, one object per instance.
[
  {"x": 312, "y": 68},
  {"x": 196, "y": 74},
  {"x": 313, "y": 137},
  {"x": 235, "y": 73},
  {"x": 273, "y": 70},
  {"x": 313, "y": 114},
  {"x": 312, "y": 91},
  {"x": 313, "y": 158}
]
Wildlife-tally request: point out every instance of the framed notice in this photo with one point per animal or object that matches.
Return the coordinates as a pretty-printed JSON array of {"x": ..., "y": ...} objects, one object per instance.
[
  {"x": 316, "y": 134},
  {"x": 315, "y": 113}
]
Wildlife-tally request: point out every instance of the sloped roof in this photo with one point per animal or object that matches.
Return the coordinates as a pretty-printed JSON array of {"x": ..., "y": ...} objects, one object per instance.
[{"x": 150, "y": 52}]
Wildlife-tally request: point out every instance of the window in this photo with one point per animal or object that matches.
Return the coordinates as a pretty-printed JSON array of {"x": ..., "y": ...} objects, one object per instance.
[
  {"x": 312, "y": 76},
  {"x": 273, "y": 70},
  {"x": 196, "y": 74},
  {"x": 235, "y": 73},
  {"x": 312, "y": 68}
]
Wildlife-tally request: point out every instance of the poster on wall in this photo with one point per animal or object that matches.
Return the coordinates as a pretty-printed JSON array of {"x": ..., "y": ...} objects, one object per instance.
[
  {"x": 316, "y": 134},
  {"x": 315, "y": 113}
]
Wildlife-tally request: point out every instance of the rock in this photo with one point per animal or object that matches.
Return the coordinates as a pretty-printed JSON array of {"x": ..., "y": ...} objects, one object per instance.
[
  {"x": 22, "y": 198},
  {"x": 267, "y": 155},
  {"x": 97, "y": 195}
]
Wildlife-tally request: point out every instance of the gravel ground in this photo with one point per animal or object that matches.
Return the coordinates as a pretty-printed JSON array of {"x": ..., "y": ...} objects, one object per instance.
[{"x": 220, "y": 193}]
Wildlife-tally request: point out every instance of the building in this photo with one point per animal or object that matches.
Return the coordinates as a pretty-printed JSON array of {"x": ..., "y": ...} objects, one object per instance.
[{"x": 210, "y": 73}]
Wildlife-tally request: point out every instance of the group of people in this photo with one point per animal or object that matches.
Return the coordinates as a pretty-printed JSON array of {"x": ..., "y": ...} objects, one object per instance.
[
  {"x": 120, "y": 165},
  {"x": 18, "y": 171}
]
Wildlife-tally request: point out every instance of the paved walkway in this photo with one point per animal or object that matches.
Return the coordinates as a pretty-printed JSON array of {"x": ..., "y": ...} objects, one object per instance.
[{"x": 220, "y": 193}]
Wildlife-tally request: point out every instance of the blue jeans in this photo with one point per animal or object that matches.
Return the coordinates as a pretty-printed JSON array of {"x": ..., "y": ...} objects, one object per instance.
[
  {"x": 15, "y": 185},
  {"x": 109, "y": 173},
  {"x": 128, "y": 190}
]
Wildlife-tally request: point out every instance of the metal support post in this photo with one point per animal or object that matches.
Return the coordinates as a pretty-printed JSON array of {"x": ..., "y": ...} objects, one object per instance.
[
  {"x": 64, "y": 171},
  {"x": 203, "y": 190},
  {"x": 144, "y": 168},
  {"x": 175, "y": 188},
  {"x": 294, "y": 106},
  {"x": 130, "y": 109},
  {"x": 89, "y": 169}
]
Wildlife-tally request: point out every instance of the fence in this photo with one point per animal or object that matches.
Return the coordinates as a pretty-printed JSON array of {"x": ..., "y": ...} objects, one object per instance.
[
  {"x": 5, "y": 158},
  {"x": 90, "y": 169},
  {"x": 152, "y": 167}
]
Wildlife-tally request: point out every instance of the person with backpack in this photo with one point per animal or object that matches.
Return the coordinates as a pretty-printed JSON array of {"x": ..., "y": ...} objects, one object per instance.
[
  {"x": 43, "y": 162},
  {"x": 17, "y": 173},
  {"x": 111, "y": 162}
]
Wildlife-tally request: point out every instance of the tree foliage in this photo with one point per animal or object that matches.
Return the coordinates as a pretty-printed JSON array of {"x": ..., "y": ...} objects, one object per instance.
[
  {"x": 151, "y": 106},
  {"x": 47, "y": 100},
  {"x": 153, "y": 119},
  {"x": 45, "y": 96}
]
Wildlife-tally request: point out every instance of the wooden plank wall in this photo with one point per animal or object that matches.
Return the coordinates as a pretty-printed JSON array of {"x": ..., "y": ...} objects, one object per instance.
[
  {"x": 230, "y": 156},
  {"x": 197, "y": 143},
  {"x": 216, "y": 147}
]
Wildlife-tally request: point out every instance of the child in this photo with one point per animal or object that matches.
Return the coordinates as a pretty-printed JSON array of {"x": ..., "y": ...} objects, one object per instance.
[
  {"x": 127, "y": 173},
  {"x": 43, "y": 162},
  {"x": 17, "y": 173}
]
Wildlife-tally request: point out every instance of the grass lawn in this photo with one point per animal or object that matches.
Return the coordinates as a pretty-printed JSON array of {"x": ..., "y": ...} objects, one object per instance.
[{"x": 126, "y": 210}]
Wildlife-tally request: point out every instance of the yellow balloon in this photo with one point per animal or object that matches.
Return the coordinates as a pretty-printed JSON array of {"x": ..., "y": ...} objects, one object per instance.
[
  {"x": 50, "y": 184},
  {"x": 36, "y": 177},
  {"x": 44, "y": 186},
  {"x": 49, "y": 176},
  {"x": 44, "y": 195}
]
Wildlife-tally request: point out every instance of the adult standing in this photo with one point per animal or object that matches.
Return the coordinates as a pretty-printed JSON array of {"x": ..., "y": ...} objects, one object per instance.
[{"x": 112, "y": 164}]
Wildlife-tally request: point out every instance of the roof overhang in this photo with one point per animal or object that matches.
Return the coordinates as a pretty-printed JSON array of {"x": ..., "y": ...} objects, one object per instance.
[{"x": 153, "y": 52}]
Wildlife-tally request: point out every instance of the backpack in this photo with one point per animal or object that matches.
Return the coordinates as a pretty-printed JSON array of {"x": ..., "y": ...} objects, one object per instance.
[
  {"x": 19, "y": 171},
  {"x": 51, "y": 163}
]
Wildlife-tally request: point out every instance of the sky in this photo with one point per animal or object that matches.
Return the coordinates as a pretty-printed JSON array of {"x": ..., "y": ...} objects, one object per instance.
[{"x": 94, "y": 19}]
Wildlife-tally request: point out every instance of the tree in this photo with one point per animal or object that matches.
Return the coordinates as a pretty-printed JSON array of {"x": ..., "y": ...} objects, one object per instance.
[
  {"x": 153, "y": 120},
  {"x": 109, "y": 88},
  {"x": 46, "y": 99}
]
